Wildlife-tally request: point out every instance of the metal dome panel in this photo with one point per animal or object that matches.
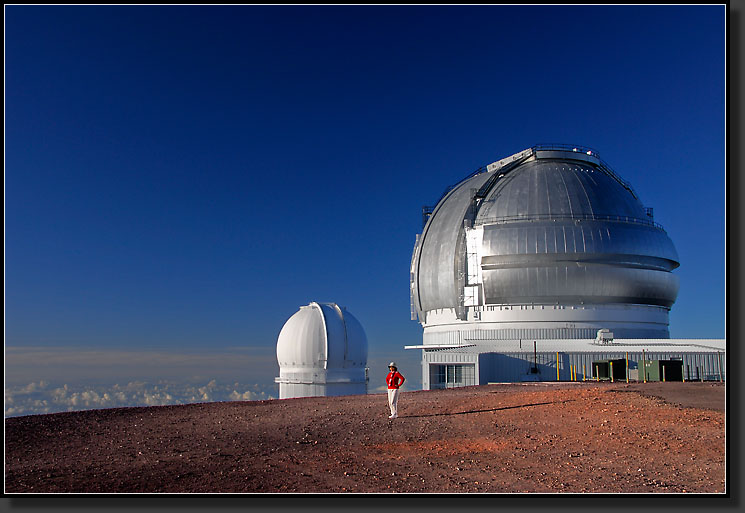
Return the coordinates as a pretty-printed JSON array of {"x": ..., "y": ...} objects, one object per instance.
[
  {"x": 440, "y": 259},
  {"x": 324, "y": 336},
  {"x": 545, "y": 226},
  {"x": 558, "y": 188},
  {"x": 321, "y": 350},
  {"x": 302, "y": 340},
  {"x": 592, "y": 237}
]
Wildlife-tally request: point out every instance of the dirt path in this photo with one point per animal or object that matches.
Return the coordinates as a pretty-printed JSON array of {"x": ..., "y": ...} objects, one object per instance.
[{"x": 580, "y": 437}]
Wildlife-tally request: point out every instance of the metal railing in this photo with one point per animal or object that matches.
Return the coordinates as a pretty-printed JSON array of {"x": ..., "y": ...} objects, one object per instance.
[
  {"x": 566, "y": 147},
  {"x": 449, "y": 188},
  {"x": 568, "y": 217},
  {"x": 590, "y": 152},
  {"x": 428, "y": 210}
]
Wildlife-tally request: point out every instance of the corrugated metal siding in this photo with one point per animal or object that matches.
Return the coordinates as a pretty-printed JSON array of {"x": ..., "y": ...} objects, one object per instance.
[
  {"x": 466, "y": 336},
  {"x": 588, "y": 345},
  {"x": 291, "y": 390},
  {"x": 446, "y": 357},
  {"x": 515, "y": 366}
]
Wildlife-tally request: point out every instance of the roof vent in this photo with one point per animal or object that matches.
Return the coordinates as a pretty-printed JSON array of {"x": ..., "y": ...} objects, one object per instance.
[{"x": 604, "y": 336}]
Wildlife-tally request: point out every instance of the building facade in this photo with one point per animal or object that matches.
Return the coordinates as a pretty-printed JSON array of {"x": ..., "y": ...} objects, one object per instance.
[
  {"x": 548, "y": 244},
  {"x": 570, "y": 359}
]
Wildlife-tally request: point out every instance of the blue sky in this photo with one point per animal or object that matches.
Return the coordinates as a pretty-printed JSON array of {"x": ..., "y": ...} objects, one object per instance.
[{"x": 184, "y": 178}]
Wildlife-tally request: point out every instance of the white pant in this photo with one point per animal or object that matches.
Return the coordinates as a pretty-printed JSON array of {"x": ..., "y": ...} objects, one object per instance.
[{"x": 393, "y": 401}]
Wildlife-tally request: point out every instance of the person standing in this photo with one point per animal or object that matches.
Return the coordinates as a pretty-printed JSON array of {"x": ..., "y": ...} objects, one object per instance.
[{"x": 394, "y": 380}]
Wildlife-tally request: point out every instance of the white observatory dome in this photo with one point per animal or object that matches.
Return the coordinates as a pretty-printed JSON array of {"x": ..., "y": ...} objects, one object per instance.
[{"x": 322, "y": 351}]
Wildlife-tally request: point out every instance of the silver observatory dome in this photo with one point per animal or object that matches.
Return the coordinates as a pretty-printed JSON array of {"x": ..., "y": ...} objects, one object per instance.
[{"x": 547, "y": 243}]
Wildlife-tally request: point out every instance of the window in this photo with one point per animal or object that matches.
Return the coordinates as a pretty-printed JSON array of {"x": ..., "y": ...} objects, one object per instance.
[
  {"x": 451, "y": 375},
  {"x": 454, "y": 373}
]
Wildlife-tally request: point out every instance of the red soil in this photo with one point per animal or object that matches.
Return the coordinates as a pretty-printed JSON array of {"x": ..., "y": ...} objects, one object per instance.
[{"x": 572, "y": 437}]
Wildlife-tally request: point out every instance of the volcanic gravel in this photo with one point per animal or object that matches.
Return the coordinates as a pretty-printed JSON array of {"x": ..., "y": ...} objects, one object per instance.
[{"x": 516, "y": 438}]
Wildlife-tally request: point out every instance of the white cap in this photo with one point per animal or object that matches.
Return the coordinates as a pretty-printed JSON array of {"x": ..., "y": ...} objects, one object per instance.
[{"x": 393, "y": 364}]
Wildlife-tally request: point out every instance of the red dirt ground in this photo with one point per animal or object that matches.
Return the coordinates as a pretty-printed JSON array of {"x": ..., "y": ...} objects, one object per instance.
[{"x": 520, "y": 438}]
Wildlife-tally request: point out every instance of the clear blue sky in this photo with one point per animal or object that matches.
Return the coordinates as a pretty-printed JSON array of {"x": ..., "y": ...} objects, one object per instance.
[{"x": 189, "y": 176}]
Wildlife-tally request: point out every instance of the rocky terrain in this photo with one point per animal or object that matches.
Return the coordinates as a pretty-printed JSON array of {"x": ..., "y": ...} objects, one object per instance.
[{"x": 519, "y": 438}]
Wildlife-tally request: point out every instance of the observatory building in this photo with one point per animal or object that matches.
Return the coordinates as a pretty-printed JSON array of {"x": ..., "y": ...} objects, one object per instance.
[
  {"x": 547, "y": 245},
  {"x": 322, "y": 351}
]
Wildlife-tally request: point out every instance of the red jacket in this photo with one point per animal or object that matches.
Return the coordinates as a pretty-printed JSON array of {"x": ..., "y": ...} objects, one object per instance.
[{"x": 394, "y": 380}]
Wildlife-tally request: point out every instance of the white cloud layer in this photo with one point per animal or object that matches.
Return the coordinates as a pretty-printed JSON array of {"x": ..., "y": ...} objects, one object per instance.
[
  {"x": 40, "y": 397},
  {"x": 55, "y": 379}
]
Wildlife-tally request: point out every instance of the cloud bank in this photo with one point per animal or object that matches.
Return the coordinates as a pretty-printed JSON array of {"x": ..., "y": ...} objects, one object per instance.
[
  {"x": 41, "y": 397},
  {"x": 55, "y": 379}
]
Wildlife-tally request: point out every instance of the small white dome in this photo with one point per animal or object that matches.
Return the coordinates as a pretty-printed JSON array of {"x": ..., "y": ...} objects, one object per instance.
[
  {"x": 321, "y": 351},
  {"x": 322, "y": 336}
]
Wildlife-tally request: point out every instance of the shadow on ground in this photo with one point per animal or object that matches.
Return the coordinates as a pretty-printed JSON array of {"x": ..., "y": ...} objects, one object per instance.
[{"x": 482, "y": 411}]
